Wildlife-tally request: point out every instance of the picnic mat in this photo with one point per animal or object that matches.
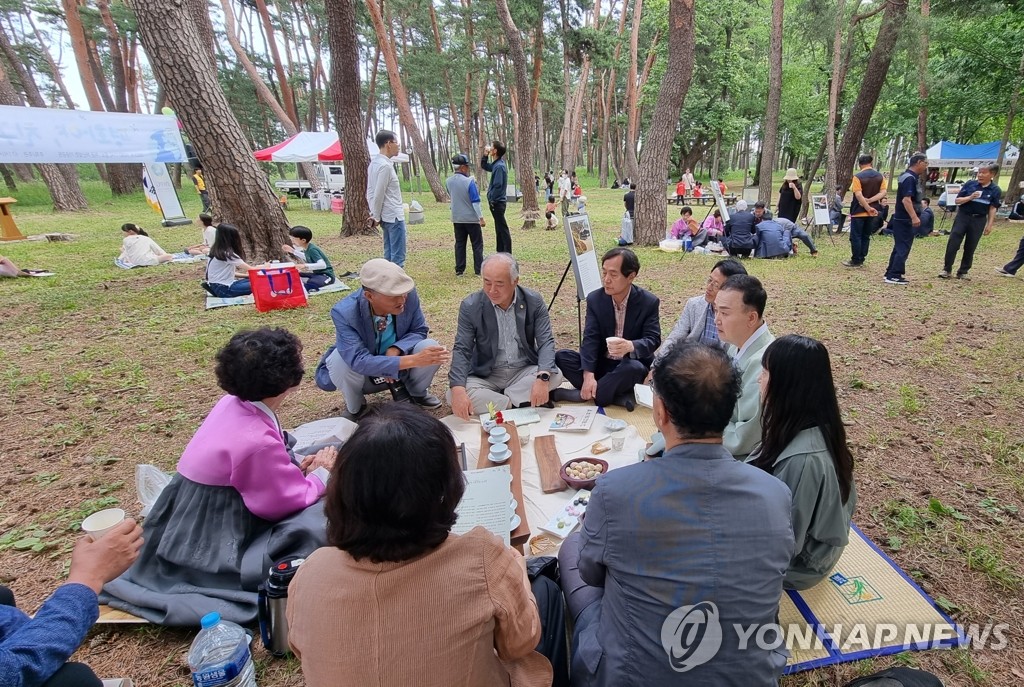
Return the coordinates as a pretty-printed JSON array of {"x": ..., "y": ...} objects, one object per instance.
[
  {"x": 642, "y": 418},
  {"x": 213, "y": 302},
  {"x": 867, "y": 607},
  {"x": 182, "y": 257}
]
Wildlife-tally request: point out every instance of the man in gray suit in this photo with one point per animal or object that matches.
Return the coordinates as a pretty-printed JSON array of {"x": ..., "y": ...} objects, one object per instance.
[
  {"x": 647, "y": 586},
  {"x": 504, "y": 349},
  {"x": 697, "y": 321}
]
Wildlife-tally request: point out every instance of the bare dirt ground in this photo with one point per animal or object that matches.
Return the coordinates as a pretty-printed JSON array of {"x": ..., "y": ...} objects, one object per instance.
[{"x": 102, "y": 369}]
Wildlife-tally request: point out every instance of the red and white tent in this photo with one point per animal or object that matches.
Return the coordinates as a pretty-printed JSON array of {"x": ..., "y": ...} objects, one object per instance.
[
  {"x": 308, "y": 146},
  {"x": 305, "y": 146}
]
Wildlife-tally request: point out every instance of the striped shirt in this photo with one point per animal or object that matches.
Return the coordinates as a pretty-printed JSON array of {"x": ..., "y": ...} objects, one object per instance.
[
  {"x": 509, "y": 350},
  {"x": 620, "y": 321},
  {"x": 710, "y": 335}
]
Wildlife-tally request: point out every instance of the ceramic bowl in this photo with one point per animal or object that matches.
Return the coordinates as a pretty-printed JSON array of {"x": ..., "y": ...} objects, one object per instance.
[{"x": 582, "y": 483}]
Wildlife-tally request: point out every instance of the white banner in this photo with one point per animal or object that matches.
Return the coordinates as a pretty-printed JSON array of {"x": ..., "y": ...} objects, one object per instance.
[
  {"x": 160, "y": 193},
  {"x": 36, "y": 134},
  {"x": 716, "y": 191}
]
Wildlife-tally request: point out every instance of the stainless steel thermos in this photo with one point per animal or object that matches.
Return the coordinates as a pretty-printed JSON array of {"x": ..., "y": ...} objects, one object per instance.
[{"x": 273, "y": 600}]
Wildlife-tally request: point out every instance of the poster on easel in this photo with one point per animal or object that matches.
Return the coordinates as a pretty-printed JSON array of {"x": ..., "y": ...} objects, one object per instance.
[
  {"x": 716, "y": 191},
  {"x": 820, "y": 204},
  {"x": 952, "y": 191},
  {"x": 582, "y": 254}
]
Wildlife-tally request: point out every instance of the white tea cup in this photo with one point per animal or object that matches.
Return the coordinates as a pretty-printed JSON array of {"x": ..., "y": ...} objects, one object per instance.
[{"x": 101, "y": 522}]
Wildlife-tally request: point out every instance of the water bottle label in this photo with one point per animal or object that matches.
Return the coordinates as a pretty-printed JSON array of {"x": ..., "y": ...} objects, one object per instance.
[{"x": 224, "y": 673}]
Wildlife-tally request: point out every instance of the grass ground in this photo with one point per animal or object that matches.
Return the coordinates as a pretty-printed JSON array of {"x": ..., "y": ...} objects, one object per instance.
[{"x": 102, "y": 369}]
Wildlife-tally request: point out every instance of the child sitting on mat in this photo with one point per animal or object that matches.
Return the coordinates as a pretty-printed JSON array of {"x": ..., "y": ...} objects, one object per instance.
[
  {"x": 227, "y": 256},
  {"x": 139, "y": 250},
  {"x": 315, "y": 267}
]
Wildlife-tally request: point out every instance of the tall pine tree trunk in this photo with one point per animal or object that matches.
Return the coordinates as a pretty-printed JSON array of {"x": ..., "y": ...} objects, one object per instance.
[
  {"x": 653, "y": 170},
  {"x": 401, "y": 96},
  {"x": 525, "y": 121},
  {"x": 343, "y": 40},
  {"x": 632, "y": 95},
  {"x": 773, "y": 107},
  {"x": 241, "y": 192},
  {"x": 893, "y": 20}
]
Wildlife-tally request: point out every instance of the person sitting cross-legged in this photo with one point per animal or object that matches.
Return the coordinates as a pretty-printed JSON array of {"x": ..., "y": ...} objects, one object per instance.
[
  {"x": 504, "y": 352},
  {"x": 671, "y": 545},
  {"x": 804, "y": 445},
  {"x": 381, "y": 342},
  {"x": 621, "y": 334}
]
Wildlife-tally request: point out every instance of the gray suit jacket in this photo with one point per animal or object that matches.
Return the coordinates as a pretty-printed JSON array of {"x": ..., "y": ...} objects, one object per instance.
[
  {"x": 743, "y": 432},
  {"x": 690, "y": 325},
  {"x": 691, "y": 526},
  {"x": 476, "y": 341}
]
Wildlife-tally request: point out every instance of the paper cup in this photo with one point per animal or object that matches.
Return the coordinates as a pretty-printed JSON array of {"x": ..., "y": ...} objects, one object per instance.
[
  {"x": 101, "y": 522},
  {"x": 618, "y": 440},
  {"x": 524, "y": 436}
]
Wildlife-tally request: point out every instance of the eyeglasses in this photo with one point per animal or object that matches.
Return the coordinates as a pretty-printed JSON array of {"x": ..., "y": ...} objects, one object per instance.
[{"x": 714, "y": 284}]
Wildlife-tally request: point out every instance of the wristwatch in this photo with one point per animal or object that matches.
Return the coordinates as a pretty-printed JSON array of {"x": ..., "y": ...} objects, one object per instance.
[{"x": 544, "y": 376}]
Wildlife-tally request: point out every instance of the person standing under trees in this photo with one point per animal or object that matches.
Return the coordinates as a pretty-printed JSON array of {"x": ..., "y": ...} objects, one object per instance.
[
  {"x": 384, "y": 196},
  {"x": 200, "y": 184},
  {"x": 467, "y": 215},
  {"x": 905, "y": 218},
  {"x": 978, "y": 201},
  {"x": 790, "y": 195},
  {"x": 565, "y": 192},
  {"x": 493, "y": 161},
  {"x": 868, "y": 191}
]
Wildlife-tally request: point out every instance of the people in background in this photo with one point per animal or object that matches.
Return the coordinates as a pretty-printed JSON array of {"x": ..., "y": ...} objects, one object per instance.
[
  {"x": 564, "y": 191},
  {"x": 396, "y": 596},
  {"x": 199, "y": 181},
  {"x": 1016, "y": 215},
  {"x": 927, "y": 227},
  {"x": 209, "y": 231},
  {"x": 978, "y": 201},
  {"x": 493, "y": 161},
  {"x": 381, "y": 340},
  {"x": 686, "y": 225},
  {"x": 467, "y": 215},
  {"x": 773, "y": 240},
  {"x": 790, "y": 195},
  {"x": 314, "y": 267},
  {"x": 138, "y": 250},
  {"x": 905, "y": 219},
  {"x": 714, "y": 226},
  {"x": 34, "y": 651},
  {"x": 740, "y": 234},
  {"x": 797, "y": 233},
  {"x": 241, "y": 499},
  {"x": 629, "y": 200},
  {"x": 803, "y": 443},
  {"x": 226, "y": 258},
  {"x": 384, "y": 196},
  {"x": 9, "y": 269},
  {"x": 621, "y": 334},
  {"x": 694, "y": 530},
  {"x": 551, "y": 206},
  {"x": 868, "y": 186},
  {"x": 504, "y": 353},
  {"x": 835, "y": 211},
  {"x": 680, "y": 192}
]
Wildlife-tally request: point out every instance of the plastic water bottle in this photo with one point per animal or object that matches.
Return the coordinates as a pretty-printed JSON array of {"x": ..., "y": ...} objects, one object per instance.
[
  {"x": 688, "y": 243},
  {"x": 219, "y": 656}
]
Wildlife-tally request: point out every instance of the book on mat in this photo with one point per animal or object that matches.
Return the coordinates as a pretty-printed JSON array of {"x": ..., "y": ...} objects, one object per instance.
[
  {"x": 520, "y": 416},
  {"x": 574, "y": 419},
  {"x": 644, "y": 395}
]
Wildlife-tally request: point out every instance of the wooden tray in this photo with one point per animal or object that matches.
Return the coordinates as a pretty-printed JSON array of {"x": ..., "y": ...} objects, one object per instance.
[
  {"x": 521, "y": 534},
  {"x": 550, "y": 464}
]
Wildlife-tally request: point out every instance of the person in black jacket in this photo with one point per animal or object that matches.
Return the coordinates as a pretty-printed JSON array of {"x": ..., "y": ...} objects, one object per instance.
[
  {"x": 621, "y": 334},
  {"x": 740, "y": 235},
  {"x": 493, "y": 161}
]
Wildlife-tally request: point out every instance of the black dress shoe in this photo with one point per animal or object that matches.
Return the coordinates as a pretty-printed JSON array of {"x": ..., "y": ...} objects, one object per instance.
[
  {"x": 354, "y": 417},
  {"x": 428, "y": 401},
  {"x": 566, "y": 395}
]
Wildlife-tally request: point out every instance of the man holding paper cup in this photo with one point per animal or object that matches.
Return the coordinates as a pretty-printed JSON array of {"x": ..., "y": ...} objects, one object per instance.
[
  {"x": 34, "y": 651},
  {"x": 621, "y": 334}
]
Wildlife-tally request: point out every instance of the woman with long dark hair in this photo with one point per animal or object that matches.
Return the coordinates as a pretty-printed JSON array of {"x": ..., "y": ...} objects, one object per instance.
[
  {"x": 803, "y": 443},
  {"x": 227, "y": 256},
  {"x": 139, "y": 250}
]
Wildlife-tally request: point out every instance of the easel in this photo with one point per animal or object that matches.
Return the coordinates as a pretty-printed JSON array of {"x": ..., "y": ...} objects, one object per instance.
[{"x": 579, "y": 308}]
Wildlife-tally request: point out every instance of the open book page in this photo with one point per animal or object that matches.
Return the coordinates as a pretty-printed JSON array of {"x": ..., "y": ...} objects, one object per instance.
[
  {"x": 574, "y": 419},
  {"x": 487, "y": 502}
]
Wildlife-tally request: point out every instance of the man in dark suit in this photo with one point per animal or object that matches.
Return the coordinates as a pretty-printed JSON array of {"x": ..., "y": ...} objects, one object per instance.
[
  {"x": 504, "y": 349},
  {"x": 381, "y": 338},
  {"x": 619, "y": 340},
  {"x": 740, "y": 234}
]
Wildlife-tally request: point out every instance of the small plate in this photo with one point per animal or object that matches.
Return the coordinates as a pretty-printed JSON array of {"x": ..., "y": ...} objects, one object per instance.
[
  {"x": 614, "y": 424},
  {"x": 513, "y": 504},
  {"x": 515, "y": 522},
  {"x": 501, "y": 439},
  {"x": 499, "y": 458}
]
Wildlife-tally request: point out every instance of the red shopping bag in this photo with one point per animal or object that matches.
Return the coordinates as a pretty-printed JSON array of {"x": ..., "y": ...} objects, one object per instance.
[{"x": 277, "y": 287}]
